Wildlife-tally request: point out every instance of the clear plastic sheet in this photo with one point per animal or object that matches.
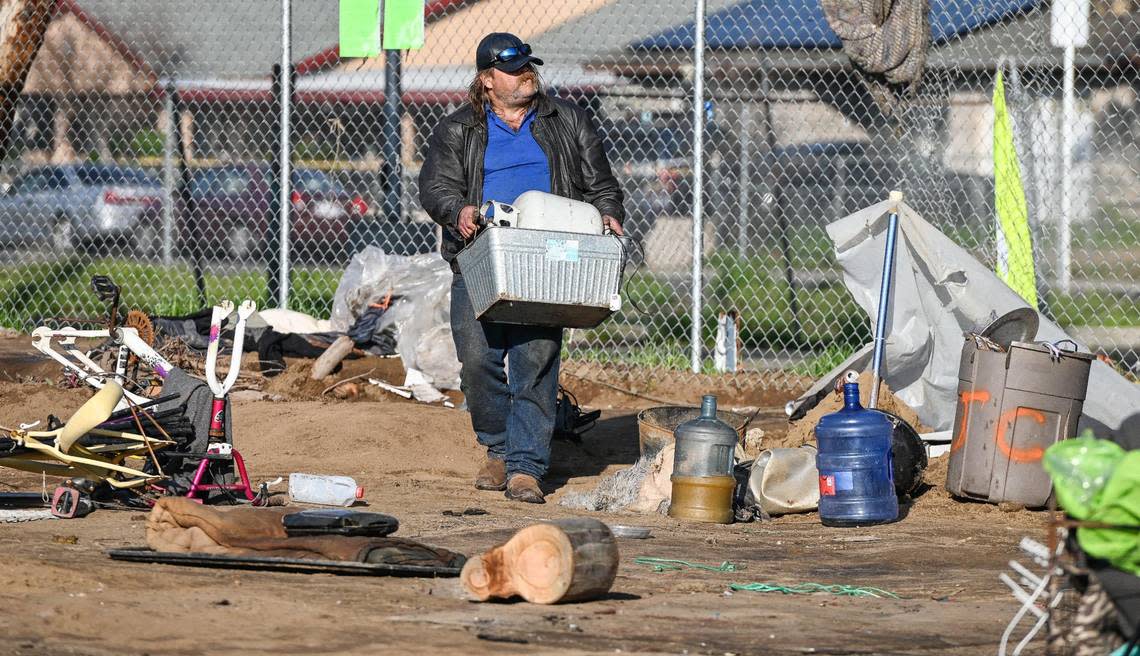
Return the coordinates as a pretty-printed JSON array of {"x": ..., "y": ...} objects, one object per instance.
[{"x": 420, "y": 286}]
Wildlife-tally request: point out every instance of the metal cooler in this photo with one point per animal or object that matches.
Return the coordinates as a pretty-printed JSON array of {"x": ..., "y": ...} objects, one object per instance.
[{"x": 543, "y": 277}]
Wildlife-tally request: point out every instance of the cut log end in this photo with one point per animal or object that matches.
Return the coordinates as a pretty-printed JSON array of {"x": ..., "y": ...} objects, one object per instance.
[
  {"x": 568, "y": 560},
  {"x": 476, "y": 579}
]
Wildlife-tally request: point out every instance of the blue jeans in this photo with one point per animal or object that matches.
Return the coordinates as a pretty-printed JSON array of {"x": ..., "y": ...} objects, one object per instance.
[{"x": 509, "y": 376}]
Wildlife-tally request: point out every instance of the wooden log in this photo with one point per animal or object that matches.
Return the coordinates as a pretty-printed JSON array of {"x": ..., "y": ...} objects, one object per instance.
[
  {"x": 332, "y": 356},
  {"x": 548, "y": 563}
]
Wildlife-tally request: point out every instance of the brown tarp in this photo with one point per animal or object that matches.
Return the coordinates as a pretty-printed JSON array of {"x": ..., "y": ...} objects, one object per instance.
[{"x": 179, "y": 525}]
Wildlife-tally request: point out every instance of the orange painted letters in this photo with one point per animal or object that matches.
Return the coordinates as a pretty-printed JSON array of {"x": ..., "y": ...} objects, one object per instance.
[
  {"x": 1031, "y": 454},
  {"x": 975, "y": 396}
]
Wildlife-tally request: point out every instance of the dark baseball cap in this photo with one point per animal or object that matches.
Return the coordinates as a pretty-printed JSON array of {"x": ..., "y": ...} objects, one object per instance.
[{"x": 505, "y": 52}]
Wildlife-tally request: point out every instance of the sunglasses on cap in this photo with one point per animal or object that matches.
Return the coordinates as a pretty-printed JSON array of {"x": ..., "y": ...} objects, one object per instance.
[{"x": 507, "y": 55}]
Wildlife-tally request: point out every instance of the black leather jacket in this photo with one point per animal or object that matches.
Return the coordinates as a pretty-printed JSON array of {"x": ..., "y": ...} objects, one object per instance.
[{"x": 452, "y": 174}]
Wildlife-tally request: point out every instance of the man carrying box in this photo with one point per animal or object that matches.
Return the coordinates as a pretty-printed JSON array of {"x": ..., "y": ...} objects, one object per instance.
[{"x": 508, "y": 139}]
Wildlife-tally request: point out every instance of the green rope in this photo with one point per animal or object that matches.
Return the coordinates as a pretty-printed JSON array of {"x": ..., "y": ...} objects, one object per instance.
[
  {"x": 669, "y": 565},
  {"x": 812, "y": 588}
]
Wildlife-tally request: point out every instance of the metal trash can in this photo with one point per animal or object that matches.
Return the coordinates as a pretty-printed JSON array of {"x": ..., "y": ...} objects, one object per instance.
[
  {"x": 543, "y": 277},
  {"x": 1012, "y": 405}
]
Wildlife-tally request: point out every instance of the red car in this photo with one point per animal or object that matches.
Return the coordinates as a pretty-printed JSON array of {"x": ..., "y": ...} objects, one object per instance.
[{"x": 230, "y": 217}]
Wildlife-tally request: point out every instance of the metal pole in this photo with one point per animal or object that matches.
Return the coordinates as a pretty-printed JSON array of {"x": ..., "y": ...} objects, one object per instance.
[
  {"x": 270, "y": 253},
  {"x": 698, "y": 180},
  {"x": 393, "y": 110},
  {"x": 884, "y": 298},
  {"x": 1068, "y": 109},
  {"x": 286, "y": 150},
  {"x": 744, "y": 180},
  {"x": 773, "y": 199},
  {"x": 169, "y": 145}
]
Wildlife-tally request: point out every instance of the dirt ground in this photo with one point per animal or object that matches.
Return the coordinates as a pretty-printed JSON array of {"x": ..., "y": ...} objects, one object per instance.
[{"x": 62, "y": 595}]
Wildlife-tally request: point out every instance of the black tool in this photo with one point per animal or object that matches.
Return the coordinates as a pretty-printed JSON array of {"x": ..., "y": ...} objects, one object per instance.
[
  {"x": 569, "y": 420},
  {"x": 21, "y": 500},
  {"x": 337, "y": 521}
]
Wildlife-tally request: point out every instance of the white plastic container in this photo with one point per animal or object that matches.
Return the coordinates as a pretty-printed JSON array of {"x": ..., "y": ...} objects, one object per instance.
[
  {"x": 324, "y": 490},
  {"x": 536, "y": 210}
]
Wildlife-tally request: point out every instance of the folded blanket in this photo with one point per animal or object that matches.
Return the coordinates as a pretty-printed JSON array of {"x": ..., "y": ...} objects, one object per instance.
[{"x": 179, "y": 525}]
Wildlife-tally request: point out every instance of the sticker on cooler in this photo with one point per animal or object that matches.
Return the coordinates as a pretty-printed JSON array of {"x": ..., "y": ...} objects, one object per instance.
[
  {"x": 562, "y": 250},
  {"x": 830, "y": 484}
]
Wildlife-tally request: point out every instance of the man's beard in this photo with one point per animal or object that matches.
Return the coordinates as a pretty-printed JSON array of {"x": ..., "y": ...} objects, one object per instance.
[{"x": 521, "y": 97}]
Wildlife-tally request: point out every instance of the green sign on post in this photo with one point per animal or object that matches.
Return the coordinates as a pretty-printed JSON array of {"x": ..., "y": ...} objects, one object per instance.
[
  {"x": 403, "y": 24},
  {"x": 360, "y": 28}
]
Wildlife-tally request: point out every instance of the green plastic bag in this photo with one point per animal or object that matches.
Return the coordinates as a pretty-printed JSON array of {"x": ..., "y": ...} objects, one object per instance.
[
  {"x": 1080, "y": 469},
  {"x": 1119, "y": 504}
]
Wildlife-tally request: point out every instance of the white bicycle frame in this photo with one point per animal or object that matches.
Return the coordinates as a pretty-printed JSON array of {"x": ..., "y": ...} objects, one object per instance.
[
  {"x": 220, "y": 313},
  {"x": 87, "y": 369}
]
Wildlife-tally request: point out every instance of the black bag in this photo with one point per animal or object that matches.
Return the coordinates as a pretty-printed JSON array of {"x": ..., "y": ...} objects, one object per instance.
[{"x": 338, "y": 521}]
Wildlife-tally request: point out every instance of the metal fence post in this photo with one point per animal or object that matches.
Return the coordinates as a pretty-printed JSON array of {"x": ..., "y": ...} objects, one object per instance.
[
  {"x": 698, "y": 181},
  {"x": 393, "y": 110},
  {"x": 169, "y": 146},
  {"x": 744, "y": 179},
  {"x": 1068, "y": 113},
  {"x": 286, "y": 151}
]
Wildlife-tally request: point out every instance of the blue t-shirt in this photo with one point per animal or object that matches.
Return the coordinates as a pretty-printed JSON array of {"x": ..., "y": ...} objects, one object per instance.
[{"x": 514, "y": 161}]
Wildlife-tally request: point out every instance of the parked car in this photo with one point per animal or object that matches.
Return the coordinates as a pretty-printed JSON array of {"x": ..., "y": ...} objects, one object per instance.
[
  {"x": 75, "y": 205},
  {"x": 652, "y": 163},
  {"x": 230, "y": 214}
]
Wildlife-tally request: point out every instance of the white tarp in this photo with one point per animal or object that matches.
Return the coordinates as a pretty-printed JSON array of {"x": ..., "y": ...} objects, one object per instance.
[{"x": 940, "y": 291}]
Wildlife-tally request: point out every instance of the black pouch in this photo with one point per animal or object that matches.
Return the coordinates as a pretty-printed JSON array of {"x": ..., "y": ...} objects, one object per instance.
[{"x": 337, "y": 521}]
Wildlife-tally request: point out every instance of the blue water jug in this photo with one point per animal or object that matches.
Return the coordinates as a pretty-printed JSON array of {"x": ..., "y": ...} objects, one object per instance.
[{"x": 856, "y": 479}]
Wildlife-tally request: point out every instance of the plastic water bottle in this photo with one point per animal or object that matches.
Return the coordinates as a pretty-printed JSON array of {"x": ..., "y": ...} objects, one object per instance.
[
  {"x": 324, "y": 490},
  {"x": 856, "y": 478}
]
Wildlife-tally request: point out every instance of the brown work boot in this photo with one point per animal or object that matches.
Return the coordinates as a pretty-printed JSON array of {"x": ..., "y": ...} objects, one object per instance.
[
  {"x": 523, "y": 487},
  {"x": 492, "y": 475}
]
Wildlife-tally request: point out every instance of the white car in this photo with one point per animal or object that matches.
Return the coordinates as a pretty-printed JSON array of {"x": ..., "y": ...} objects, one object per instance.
[{"x": 75, "y": 205}]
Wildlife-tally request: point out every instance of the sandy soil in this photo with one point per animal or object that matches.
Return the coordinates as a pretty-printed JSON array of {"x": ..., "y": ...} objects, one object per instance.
[
  {"x": 62, "y": 595},
  {"x": 802, "y": 431}
]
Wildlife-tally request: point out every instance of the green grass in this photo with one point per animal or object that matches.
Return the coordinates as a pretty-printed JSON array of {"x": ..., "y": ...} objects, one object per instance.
[
  {"x": 1095, "y": 309},
  {"x": 31, "y": 292},
  {"x": 823, "y": 361},
  {"x": 669, "y": 355},
  {"x": 662, "y": 355},
  {"x": 827, "y": 317},
  {"x": 828, "y": 324},
  {"x": 1111, "y": 227}
]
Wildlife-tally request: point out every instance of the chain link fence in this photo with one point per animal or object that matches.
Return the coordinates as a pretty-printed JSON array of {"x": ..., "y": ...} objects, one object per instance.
[{"x": 147, "y": 137}]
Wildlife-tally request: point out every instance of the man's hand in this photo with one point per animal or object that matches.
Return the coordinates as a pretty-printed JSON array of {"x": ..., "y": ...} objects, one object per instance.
[
  {"x": 612, "y": 224},
  {"x": 467, "y": 226}
]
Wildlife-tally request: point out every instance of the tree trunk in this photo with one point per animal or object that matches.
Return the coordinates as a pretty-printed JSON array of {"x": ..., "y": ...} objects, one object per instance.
[
  {"x": 22, "y": 27},
  {"x": 565, "y": 560}
]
